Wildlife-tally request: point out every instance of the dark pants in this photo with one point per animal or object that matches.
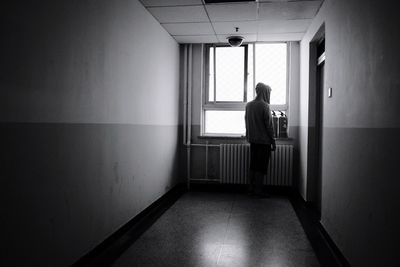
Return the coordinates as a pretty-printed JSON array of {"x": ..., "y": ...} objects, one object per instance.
[
  {"x": 259, "y": 160},
  {"x": 259, "y": 157}
]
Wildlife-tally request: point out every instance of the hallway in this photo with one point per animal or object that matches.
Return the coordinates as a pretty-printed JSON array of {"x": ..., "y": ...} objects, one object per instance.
[
  {"x": 110, "y": 110},
  {"x": 223, "y": 229}
]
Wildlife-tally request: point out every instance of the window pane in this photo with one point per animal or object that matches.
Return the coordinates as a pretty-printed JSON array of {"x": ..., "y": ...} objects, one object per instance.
[
  {"x": 211, "y": 76},
  {"x": 229, "y": 73},
  {"x": 222, "y": 121},
  {"x": 271, "y": 70}
]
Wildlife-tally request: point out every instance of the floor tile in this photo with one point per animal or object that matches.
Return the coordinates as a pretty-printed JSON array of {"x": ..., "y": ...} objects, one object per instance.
[{"x": 214, "y": 229}]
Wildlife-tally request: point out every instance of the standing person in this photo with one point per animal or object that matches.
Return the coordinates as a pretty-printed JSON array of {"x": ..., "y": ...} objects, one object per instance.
[{"x": 260, "y": 135}]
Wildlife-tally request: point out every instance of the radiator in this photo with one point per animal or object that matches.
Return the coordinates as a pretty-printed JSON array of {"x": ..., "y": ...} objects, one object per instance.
[{"x": 235, "y": 162}]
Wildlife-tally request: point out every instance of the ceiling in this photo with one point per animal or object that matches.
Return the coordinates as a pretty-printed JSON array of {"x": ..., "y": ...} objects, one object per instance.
[{"x": 192, "y": 21}]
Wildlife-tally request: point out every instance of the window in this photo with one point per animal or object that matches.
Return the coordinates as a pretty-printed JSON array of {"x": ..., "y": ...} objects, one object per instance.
[{"x": 231, "y": 76}]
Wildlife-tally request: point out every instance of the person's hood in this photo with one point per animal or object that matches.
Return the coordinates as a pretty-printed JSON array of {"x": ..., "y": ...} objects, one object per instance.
[{"x": 263, "y": 92}]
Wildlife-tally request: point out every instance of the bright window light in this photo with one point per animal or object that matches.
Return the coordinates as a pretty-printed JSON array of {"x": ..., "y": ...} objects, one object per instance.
[
  {"x": 271, "y": 69},
  {"x": 224, "y": 122},
  {"x": 229, "y": 73},
  {"x": 229, "y": 89}
]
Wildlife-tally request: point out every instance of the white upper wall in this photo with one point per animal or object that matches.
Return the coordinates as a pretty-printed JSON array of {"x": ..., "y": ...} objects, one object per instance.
[
  {"x": 361, "y": 39},
  {"x": 104, "y": 62}
]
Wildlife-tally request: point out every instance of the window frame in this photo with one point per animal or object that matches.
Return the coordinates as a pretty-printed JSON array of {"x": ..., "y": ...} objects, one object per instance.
[
  {"x": 207, "y": 75},
  {"x": 236, "y": 105}
]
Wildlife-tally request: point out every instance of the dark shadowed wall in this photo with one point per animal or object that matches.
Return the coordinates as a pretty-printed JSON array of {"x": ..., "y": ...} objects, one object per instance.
[
  {"x": 360, "y": 170},
  {"x": 89, "y": 128}
]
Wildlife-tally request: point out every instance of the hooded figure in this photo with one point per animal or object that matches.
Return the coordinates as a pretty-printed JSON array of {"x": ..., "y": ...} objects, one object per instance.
[
  {"x": 260, "y": 135},
  {"x": 263, "y": 92},
  {"x": 259, "y": 125}
]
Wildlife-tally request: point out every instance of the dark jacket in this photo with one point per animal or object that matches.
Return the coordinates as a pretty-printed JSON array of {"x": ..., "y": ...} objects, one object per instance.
[{"x": 258, "y": 118}]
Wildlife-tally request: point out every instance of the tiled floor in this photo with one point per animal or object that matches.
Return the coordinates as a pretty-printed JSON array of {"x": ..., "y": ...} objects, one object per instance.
[{"x": 216, "y": 229}]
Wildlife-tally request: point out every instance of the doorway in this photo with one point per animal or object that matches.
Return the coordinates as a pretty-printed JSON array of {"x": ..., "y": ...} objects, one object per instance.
[
  {"x": 315, "y": 122},
  {"x": 319, "y": 123}
]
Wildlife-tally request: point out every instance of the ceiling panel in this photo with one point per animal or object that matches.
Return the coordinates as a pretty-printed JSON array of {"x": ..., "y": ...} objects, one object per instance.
[
  {"x": 191, "y": 21},
  {"x": 274, "y": 37},
  {"x": 193, "y": 39},
  {"x": 229, "y": 27},
  {"x": 288, "y": 10},
  {"x": 247, "y": 37},
  {"x": 179, "y": 14},
  {"x": 148, "y": 3},
  {"x": 232, "y": 12},
  {"x": 283, "y": 26},
  {"x": 201, "y": 28}
]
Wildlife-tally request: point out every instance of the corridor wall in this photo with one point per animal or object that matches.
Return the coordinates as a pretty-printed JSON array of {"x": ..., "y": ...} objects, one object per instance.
[
  {"x": 89, "y": 124},
  {"x": 361, "y": 128}
]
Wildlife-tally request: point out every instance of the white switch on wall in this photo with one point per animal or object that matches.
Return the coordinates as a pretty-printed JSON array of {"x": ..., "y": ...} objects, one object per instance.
[{"x": 330, "y": 92}]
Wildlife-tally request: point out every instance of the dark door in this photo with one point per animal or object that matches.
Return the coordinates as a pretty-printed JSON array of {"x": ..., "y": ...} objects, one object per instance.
[
  {"x": 319, "y": 129},
  {"x": 319, "y": 122}
]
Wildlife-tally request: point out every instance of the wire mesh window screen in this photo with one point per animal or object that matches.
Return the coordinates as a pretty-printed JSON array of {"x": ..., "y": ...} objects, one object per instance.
[
  {"x": 229, "y": 73},
  {"x": 267, "y": 63},
  {"x": 271, "y": 66}
]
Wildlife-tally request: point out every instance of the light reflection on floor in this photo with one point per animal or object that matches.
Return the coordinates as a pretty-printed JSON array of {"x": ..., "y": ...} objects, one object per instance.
[{"x": 215, "y": 229}]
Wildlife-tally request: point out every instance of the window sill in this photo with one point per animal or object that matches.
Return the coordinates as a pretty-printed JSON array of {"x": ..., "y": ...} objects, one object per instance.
[{"x": 235, "y": 137}]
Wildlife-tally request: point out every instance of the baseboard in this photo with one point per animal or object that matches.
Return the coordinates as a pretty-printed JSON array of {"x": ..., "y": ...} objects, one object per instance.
[
  {"x": 238, "y": 188},
  {"x": 325, "y": 249},
  {"x": 112, "y": 247},
  {"x": 339, "y": 255}
]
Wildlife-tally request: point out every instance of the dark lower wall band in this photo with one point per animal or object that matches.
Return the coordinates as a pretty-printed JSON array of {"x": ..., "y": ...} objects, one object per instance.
[
  {"x": 66, "y": 187},
  {"x": 359, "y": 192}
]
